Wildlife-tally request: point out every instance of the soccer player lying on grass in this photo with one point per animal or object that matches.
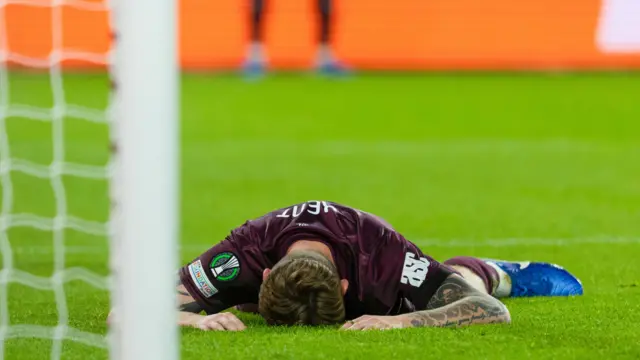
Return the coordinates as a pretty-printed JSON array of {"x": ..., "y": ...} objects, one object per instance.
[{"x": 321, "y": 263}]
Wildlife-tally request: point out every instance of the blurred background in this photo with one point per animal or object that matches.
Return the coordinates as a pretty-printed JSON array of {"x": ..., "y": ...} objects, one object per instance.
[
  {"x": 494, "y": 128},
  {"x": 367, "y": 34}
]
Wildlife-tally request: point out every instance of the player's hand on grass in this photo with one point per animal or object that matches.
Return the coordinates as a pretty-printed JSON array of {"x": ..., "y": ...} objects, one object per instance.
[
  {"x": 220, "y": 322},
  {"x": 371, "y": 322}
]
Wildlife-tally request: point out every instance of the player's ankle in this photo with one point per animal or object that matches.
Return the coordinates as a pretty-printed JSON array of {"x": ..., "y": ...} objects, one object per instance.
[
  {"x": 503, "y": 289},
  {"x": 256, "y": 53}
]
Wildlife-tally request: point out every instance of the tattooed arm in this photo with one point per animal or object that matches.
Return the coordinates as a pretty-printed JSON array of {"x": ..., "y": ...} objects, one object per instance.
[
  {"x": 189, "y": 314},
  {"x": 186, "y": 302},
  {"x": 189, "y": 311},
  {"x": 457, "y": 303}
]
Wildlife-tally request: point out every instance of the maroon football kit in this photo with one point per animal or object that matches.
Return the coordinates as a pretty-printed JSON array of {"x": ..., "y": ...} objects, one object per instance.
[{"x": 387, "y": 274}]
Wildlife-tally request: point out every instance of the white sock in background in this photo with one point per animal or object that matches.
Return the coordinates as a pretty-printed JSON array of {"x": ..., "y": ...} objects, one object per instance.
[
  {"x": 504, "y": 284},
  {"x": 256, "y": 52},
  {"x": 325, "y": 55}
]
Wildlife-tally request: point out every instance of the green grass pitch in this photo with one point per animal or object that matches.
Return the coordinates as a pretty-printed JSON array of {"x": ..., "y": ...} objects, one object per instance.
[{"x": 523, "y": 167}]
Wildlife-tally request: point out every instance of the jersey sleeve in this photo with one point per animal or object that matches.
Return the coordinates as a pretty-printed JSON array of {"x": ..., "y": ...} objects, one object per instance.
[
  {"x": 226, "y": 275},
  {"x": 404, "y": 276}
]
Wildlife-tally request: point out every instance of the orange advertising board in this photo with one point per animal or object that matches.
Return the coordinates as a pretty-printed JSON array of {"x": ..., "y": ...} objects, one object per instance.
[{"x": 372, "y": 34}]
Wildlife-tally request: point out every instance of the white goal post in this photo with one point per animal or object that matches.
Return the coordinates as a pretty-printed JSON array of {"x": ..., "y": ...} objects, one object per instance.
[
  {"x": 142, "y": 118},
  {"x": 145, "y": 186}
]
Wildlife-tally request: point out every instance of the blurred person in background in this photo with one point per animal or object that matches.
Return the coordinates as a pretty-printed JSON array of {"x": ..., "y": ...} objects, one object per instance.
[{"x": 326, "y": 62}]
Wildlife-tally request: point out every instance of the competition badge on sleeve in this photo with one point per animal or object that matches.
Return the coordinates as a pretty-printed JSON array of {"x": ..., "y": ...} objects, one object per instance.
[{"x": 225, "y": 266}]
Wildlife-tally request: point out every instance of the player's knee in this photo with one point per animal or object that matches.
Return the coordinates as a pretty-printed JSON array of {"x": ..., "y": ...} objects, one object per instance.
[{"x": 477, "y": 273}]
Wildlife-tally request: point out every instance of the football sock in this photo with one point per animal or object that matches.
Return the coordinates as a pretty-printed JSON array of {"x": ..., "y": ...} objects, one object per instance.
[
  {"x": 325, "y": 55},
  {"x": 504, "y": 283},
  {"x": 257, "y": 14},
  {"x": 486, "y": 272},
  {"x": 255, "y": 51},
  {"x": 324, "y": 9}
]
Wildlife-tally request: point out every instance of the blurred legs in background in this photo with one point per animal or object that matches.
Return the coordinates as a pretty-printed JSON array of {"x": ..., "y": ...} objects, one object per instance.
[
  {"x": 255, "y": 61},
  {"x": 326, "y": 62}
]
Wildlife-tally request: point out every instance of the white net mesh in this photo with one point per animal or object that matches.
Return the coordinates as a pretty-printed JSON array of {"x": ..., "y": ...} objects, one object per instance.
[{"x": 53, "y": 172}]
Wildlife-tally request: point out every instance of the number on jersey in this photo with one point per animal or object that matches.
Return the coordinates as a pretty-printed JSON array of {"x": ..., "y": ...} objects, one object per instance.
[{"x": 415, "y": 270}]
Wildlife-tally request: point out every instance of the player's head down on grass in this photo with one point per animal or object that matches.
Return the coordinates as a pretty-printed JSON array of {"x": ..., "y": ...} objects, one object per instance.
[{"x": 303, "y": 288}]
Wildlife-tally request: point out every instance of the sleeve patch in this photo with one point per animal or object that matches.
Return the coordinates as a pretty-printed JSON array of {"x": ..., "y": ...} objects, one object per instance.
[
  {"x": 201, "y": 280},
  {"x": 225, "y": 266},
  {"x": 415, "y": 270}
]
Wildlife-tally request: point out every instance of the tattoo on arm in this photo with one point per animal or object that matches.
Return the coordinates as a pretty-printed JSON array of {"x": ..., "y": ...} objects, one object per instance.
[
  {"x": 452, "y": 289},
  {"x": 185, "y": 301},
  {"x": 191, "y": 307},
  {"x": 456, "y": 303}
]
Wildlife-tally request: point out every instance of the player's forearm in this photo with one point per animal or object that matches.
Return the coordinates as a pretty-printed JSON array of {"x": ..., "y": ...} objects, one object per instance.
[
  {"x": 186, "y": 302},
  {"x": 474, "y": 309},
  {"x": 189, "y": 319}
]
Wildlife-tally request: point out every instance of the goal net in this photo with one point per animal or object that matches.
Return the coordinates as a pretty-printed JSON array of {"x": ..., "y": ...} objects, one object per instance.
[{"x": 88, "y": 178}]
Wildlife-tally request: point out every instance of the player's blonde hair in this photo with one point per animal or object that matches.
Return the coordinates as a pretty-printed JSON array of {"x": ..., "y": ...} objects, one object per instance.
[{"x": 304, "y": 288}]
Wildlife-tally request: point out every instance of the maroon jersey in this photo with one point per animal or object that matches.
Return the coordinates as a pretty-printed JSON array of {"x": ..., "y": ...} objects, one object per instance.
[{"x": 387, "y": 274}]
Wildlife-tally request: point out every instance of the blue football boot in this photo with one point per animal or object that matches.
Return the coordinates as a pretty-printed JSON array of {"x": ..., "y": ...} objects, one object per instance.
[
  {"x": 253, "y": 69},
  {"x": 539, "y": 279},
  {"x": 333, "y": 68}
]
